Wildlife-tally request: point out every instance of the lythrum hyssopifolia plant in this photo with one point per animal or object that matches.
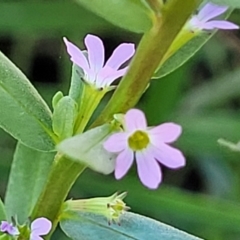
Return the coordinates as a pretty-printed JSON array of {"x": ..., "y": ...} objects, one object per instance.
[{"x": 54, "y": 148}]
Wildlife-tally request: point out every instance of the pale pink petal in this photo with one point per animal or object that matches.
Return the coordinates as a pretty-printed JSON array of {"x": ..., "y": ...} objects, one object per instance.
[
  {"x": 95, "y": 51},
  {"x": 123, "y": 162},
  {"x": 41, "y": 226},
  {"x": 107, "y": 81},
  {"x": 148, "y": 169},
  {"x": 77, "y": 55},
  {"x": 220, "y": 25},
  {"x": 210, "y": 11},
  {"x": 166, "y": 132},
  {"x": 135, "y": 120},
  {"x": 120, "y": 55},
  {"x": 168, "y": 156},
  {"x": 116, "y": 142},
  {"x": 35, "y": 237},
  {"x": 104, "y": 74}
]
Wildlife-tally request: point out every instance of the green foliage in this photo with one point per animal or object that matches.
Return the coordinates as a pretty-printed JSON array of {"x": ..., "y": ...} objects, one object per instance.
[
  {"x": 192, "y": 211},
  {"x": 24, "y": 114},
  {"x": 230, "y": 3},
  {"x": 133, "y": 226},
  {"x": 132, "y": 15},
  {"x": 28, "y": 175},
  {"x": 183, "y": 55},
  {"x": 87, "y": 149},
  {"x": 2, "y": 211},
  {"x": 76, "y": 88},
  {"x": 64, "y": 116}
]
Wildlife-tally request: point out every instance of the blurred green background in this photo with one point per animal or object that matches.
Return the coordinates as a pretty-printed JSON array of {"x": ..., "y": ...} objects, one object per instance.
[{"x": 203, "y": 96}]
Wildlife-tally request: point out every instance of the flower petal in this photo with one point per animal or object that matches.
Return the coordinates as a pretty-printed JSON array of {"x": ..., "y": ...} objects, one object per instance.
[
  {"x": 95, "y": 51},
  {"x": 116, "y": 142},
  {"x": 41, "y": 226},
  {"x": 120, "y": 55},
  {"x": 148, "y": 169},
  {"x": 166, "y": 132},
  {"x": 210, "y": 11},
  {"x": 220, "y": 24},
  {"x": 35, "y": 237},
  {"x": 168, "y": 156},
  {"x": 77, "y": 56},
  {"x": 123, "y": 162},
  {"x": 135, "y": 120},
  {"x": 112, "y": 76}
]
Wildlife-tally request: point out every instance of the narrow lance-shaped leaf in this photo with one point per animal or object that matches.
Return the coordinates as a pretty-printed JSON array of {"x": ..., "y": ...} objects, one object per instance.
[
  {"x": 133, "y": 226},
  {"x": 23, "y": 113},
  {"x": 28, "y": 174}
]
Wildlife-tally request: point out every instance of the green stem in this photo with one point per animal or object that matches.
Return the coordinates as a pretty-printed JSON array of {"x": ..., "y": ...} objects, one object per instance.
[
  {"x": 150, "y": 52},
  {"x": 60, "y": 180},
  {"x": 90, "y": 99},
  {"x": 155, "y": 5}
]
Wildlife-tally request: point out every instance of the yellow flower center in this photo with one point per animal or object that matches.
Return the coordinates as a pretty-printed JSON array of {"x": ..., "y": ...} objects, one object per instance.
[{"x": 138, "y": 141}]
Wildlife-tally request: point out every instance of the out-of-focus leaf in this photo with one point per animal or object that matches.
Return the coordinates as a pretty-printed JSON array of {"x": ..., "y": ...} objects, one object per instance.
[
  {"x": 87, "y": 148},
  {"x": 45, "y": 16},
  {"x": 201, "y": 132},
  {"x": 132, "y": 15},
  {"x": 28, "y": 174},
  {"x": 231, "y": 3},
  {"x": 90, "y": 226},
  {"x": 232, "y": 146},
  {"x": 24, "y": 114},
  {"x": 212, "y": 94}
]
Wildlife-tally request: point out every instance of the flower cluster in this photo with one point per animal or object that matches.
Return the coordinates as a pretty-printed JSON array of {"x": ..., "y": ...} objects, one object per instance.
[
  {"x": 39, "y": 227},
  {"x": 147, "y": 145},
  {"x": 92, "y": 64}
]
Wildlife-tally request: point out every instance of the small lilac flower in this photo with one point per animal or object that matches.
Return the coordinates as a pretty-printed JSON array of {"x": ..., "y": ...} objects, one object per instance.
[
  {"x": 203, "y": 20},
  {"x": 39, "y": 227},
  {"x": 148, "y": 145},
  {"x": 95, "y": 72},
  {"x": 8, "y": 228}
]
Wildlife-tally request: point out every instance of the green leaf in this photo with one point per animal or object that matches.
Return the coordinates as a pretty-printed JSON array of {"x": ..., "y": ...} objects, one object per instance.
[
  {"x": 2, "y": 211},
  {"x": 133, "y": 226},
  {"x": 76, "y": 87},
  {"x": 182, "y": 55},
  {"x": 172, "y": 205},
  {"x": 132, "y": 15},
  {"x": 64, "y": 116},
  {"x": 202, "y": 131},
  {"x": 230, "y": 3},
  {"x": 87, "y": 148},
  {"x": 225, "y": 88},
  {"x": 28, "y": 175},
  {"x": 24, "y": 114}
]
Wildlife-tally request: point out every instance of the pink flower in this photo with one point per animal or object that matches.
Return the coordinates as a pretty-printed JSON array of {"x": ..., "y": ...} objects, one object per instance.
[
  {"x": 8, "y": 228},
  {"x": 148, "y": 145},
  {"x": 92, "y": 63},
  {"x": 39, "y": 227},
  {"x": 202, "y": 21}
]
